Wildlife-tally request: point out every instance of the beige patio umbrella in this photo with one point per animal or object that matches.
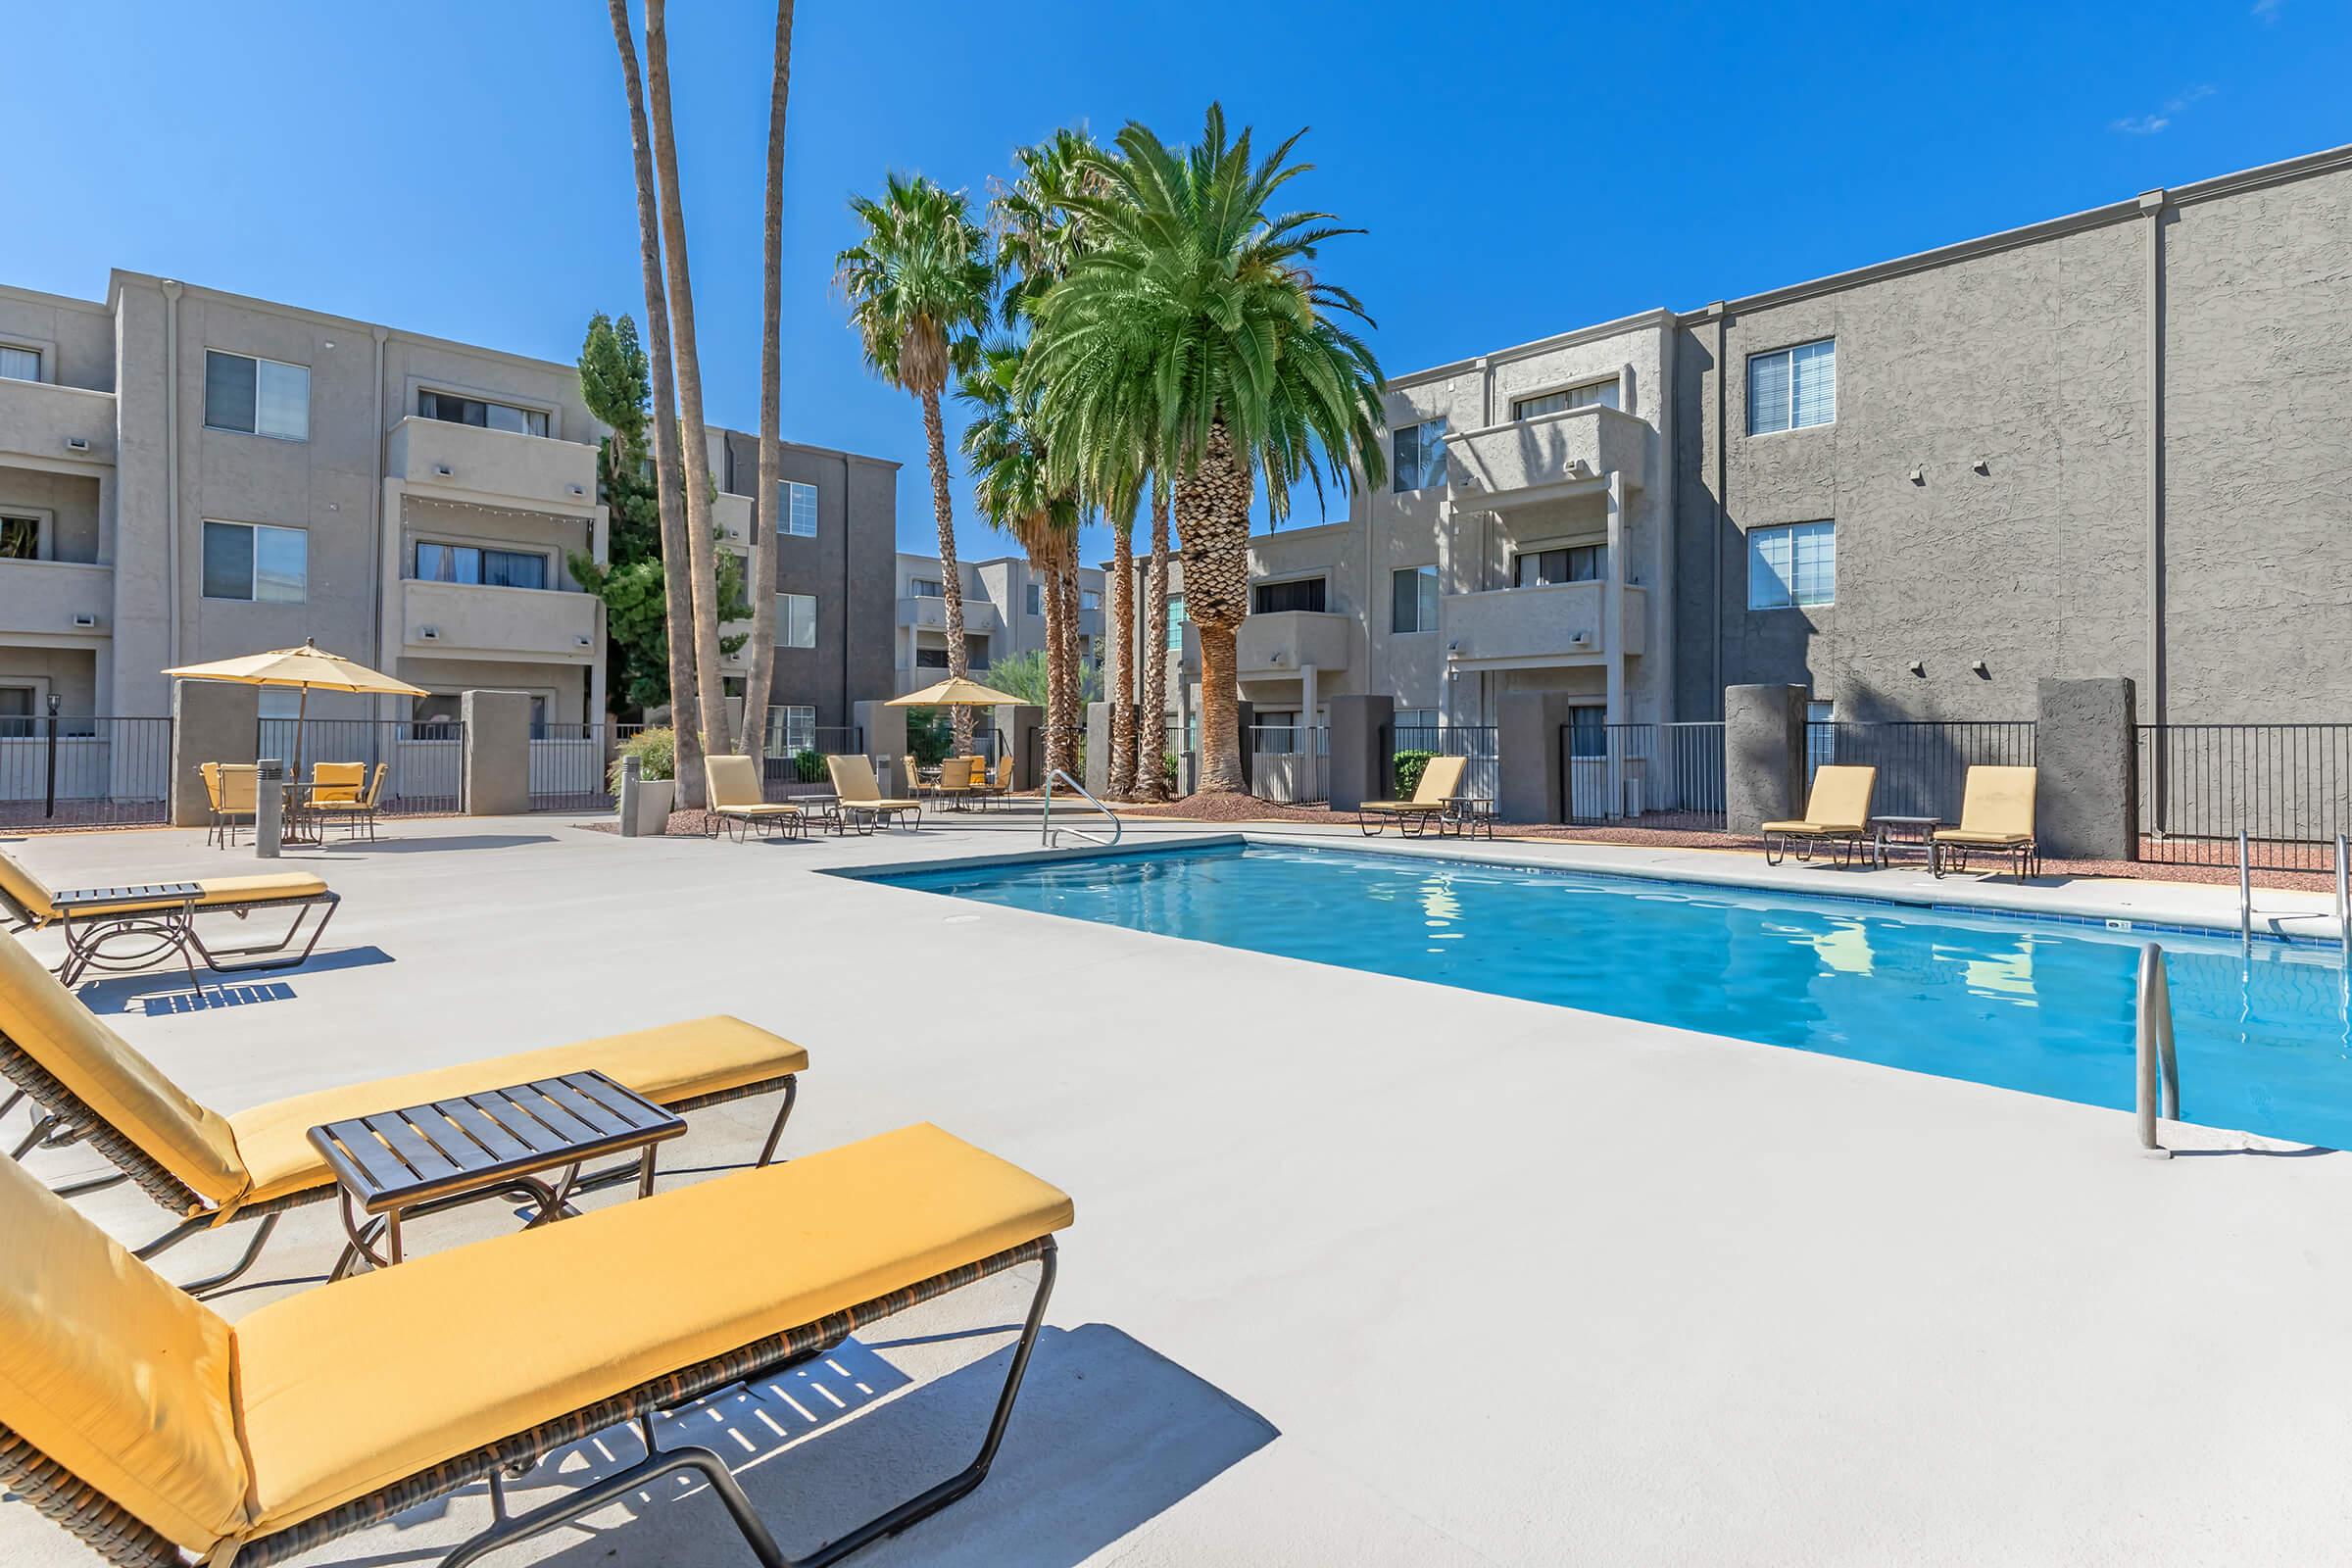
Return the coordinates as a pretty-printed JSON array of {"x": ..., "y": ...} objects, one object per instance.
[
  {"x": 303, "y": 668},
  {"x": 955, "y": 692}
]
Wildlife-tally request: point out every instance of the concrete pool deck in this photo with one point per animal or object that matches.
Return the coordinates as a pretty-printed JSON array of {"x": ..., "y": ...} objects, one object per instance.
[{"x": 1364, "y": 1270}]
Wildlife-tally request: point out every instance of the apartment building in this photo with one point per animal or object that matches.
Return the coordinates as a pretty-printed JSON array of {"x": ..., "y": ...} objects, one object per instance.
[
  {"x": 2108, "y": 444},
  {"x": 1004, "y": 614},
  {"x": 189, "y": 474}
]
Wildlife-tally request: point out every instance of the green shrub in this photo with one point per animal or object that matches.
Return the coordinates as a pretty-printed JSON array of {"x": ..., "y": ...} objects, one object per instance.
[
  {"x": 929, "y": 734},
  {"x": 656, "y": 754},
  {"x": 808, "y": 765},
  {"x": 1409, "y": 773},
  {"x": 1169, "y": 772}
]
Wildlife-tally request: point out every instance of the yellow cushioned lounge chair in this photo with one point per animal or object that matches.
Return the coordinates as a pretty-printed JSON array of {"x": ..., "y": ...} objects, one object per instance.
[
  {"x": 87, "y": 1084},
  {"x": 1836, "y": 813},
  {"x": 860, "y": 796},
  {"x": 737, "y": 800},
  {"x": 1997, "y": 816},
  {"x": 357, "y": 809},
  {"x": 117, "y": 929},
  {"x": 143, "y": 1422},
  {"x": 231, "y": 789},
  {"x": 1433, "y": 797}
]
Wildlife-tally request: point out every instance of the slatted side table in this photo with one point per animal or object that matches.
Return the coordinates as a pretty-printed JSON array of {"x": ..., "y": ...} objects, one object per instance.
[
  {"x": 132, "y": 942},
  {"x": 396, "y": 1165}
]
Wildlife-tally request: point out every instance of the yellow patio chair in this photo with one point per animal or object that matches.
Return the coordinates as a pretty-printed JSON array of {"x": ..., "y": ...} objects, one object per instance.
[
  {"x": 955, "y": 780},
  {"x": 1836, "y": 813},
  {"x": 135, "y": 925},
  {"x": 738, "y": 801},
  {"x": 1433, "y": 797},
  {"x": 857, "y": 794},
  {"x": 88, "y": 1086},
  {"x": 337, "y": 781},
  {"x": 914, "y": 776},
  {"x": 1997, "y": 816},
  {"x": 149, "y": 1426},
  {"x": 232, "y": 790},
  {"x": 359, "y": 808}
]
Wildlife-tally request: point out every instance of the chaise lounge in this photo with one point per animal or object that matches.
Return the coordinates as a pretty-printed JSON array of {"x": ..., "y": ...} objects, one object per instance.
[
  {"x": 1433, "y": 797},
  {"x": 737, "y": 800},
  {"x": 145, "y": 1424},
  {"x": 87, "y": 1085},
  {"x": 1996, "y": 817},
  {"x": 117, "y": 929},
  {"x": 858, "y": 794},
  {"x": 1836, "y": 814}
]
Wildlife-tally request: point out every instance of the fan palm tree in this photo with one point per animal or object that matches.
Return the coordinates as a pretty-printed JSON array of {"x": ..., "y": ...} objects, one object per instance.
[
  {"x": 920, "y": 285},
  {"x": 760, "y": 679},
  {"x": 1152, "y": 709},
  {"x": 1005, "y": 450},
  {"x": 1194, "y": 329},
  {"x": 677, "y": 592}
]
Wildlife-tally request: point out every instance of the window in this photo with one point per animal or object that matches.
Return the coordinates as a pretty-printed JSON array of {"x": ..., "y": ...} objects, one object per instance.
[
  {"x": 488, "y": 568},
  {"x": 1037, "y": 602},
  {"x": 257, "y": 396},
  {"x": 1417, "y": 456},
  {"x": 975, "y": 653},
  {"x": 1588, "y": 729},
  {"x": 279, "y": 702},
  {"x": 1796, "y": 563},
  {"x": 450, "y": 408},
  {"x": 925, "y": 588},
  {"x": 247, "y": 560},
  {"x": 1413, "y": 599},
  {"x": 1090, "y": 599},
  {"x": 800, "y": 512},
  {"x": 1538, "y": 568},
  {"x": 798, "y": 622},
  {"x": 790, "y": 729},
  {"x": 930, "y": 658},
  {"x": 1821, "y": 735},
  {"x": 1175, "y": 623},
  {"x": 1791, "y": 389},
  {"x": 20, "y": 538},
  {"x": 1304, "y": 593},
  {"x": 16, "y": 712},
  {"x": 1603, "y": 393},
  {"x": 20, "y": 364}
]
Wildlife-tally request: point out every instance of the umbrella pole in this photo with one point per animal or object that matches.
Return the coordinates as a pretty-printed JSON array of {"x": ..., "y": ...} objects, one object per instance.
[{"x": 301, "y": 707}]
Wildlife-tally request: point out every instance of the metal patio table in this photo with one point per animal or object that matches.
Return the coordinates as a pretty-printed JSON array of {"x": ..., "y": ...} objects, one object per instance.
[
  {"x": 400, "y": 1164},
  {"x": 1919, "y": 831},
  {"x": 1466, "y": 814}
]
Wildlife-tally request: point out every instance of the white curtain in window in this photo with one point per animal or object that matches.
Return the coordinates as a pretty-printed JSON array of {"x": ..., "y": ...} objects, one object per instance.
[
  {"x": 1813, "y": 375},
  {"x": 800, "y": 621},
  {"x": 1767, "y": 393},
  {"x": 284, "y": 401},
  {"x": 21, "y": 365},
  {"x": 280, "y": 566}
]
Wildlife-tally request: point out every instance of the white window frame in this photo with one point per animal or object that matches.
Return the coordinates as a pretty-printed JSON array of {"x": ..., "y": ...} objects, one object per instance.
[
  {"x": 40, "y": 359},
  {"x": 1754, "y": 547},
  {"x": 788, "y": 636},
  {"x": 1425, "y": 571},
  {"x": 784, "y": 722},
  {"x": 258, "y": 359},
  {"x": 546, "y": 413},
  {"x": 44, "y": 523},
  {"x": 253, "y": 583},
  {"x": 789, "y": 514},
  {"x": 1788, "y": 352},
  {"x": 1565, "y": 389},
  {"x": 1033, "y": 600}
]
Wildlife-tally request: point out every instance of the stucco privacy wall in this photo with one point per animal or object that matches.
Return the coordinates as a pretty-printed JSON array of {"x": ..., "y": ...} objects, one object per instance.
[{"x": 76, "y": 338}]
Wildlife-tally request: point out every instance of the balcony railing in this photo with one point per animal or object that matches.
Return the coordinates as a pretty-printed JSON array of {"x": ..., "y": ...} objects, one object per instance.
[
  {"x": 1533, "y": 460},
  {"x": 549, "y": 475},
  {"x": 1282, "y": 642},
  {"x": 1556, "y": 624},
  {"x": 466, "y": 620},
  {"x": 931, "y": 615},
  {"x": 56, "y": 598}
]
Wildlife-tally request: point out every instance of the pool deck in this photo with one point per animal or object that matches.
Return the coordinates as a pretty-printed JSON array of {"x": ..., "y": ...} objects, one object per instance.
[{"x": 1365, "y": 1271}]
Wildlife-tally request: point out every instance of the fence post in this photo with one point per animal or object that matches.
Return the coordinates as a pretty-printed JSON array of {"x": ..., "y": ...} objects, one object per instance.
[
  {"x": 1361, "y": 748},
  {"x": 496, "y": 753},
  {"x": 1763, "y": 755},
  {"x": 632, "y": 775},
  {"x": 49, "y": 790},
  {"x": 1530, "y": 777},
  {"x": 212, "y": 721},
  {"x": 1097, "y": 748},
  {"x": 2085, "y": 744}
]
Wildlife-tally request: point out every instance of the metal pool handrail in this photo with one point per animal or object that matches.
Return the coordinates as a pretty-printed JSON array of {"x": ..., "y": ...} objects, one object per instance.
[
  {"x": 1051, "y": 836},
  {"x": 2159, "y": 1064}
]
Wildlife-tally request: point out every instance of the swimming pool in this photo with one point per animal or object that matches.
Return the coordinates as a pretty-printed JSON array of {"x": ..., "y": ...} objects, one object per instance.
[{"x": 2265, "y": 1040}]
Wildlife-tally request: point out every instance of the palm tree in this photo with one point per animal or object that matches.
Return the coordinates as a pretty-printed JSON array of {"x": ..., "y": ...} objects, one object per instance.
[
  {"x": 1151, "y": 784},
  {"x": 1004, "y": 448},
  {"x": 702, "y": 551},
  {"x": 1194, "y": 329},
  {"x": 677, "y": 592},
  {"x": 920, "y": 284},
  {"x": 759, "y": 681}
]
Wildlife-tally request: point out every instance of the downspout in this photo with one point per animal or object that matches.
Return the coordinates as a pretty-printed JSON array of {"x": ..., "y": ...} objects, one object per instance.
[
  {"x": 2153, "y": 204},
  {"x": 1723, "y": 437},
  {"x": 375, "y": 507},
  {"x": 171, "y": 292},
  {"x": 848, "y": 537}
]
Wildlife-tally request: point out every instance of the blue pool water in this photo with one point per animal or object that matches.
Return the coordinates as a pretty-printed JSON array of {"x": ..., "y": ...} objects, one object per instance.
[{"x": 2043, "y": 1005}]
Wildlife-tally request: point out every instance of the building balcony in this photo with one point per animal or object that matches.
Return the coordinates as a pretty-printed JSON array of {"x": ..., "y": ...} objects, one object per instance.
[
  {"x": 42, "y": 420},
  {"x": 736, "y": 522},
  {"x": 980, "y": 617},
  {"x": 914, "y": 678},
  {"x": 1545, "y": 457},
  {"x": 55, "y": 603},
  {"x": 1522, "y": 628},
  {"x": 468, "y": 462},
  {"x": 1282, "y": 642},
  {"x": 465, "y": 620},
  {"x": 1090, "y": 622}
]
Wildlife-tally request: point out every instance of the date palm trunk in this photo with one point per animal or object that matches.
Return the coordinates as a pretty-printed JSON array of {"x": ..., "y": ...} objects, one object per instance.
[
  {"x": 1121, "y": 692},
  {"x": 702, "y": 550},
  {"x": 759, "y": 681},
  {"x": 1212, "y": 513},
  {"x": 1151, "y": 718},
  {"x": 677, "y": 593},
  {"x": 1073, "y": 688},
  {"x": 1046, "y": 569},
  {"x": 951, "y": 576}
]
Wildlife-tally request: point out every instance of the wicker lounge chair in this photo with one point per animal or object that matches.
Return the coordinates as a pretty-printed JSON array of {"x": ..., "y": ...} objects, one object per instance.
[
  {"x": 1836, "y": 814},
  {"x": 1433, "y": 797},
  {"x": 357, "y": 809},
  {"x": 737, "y": 800},
  {"x": 1996, "y": 817},
  {"x": 231, "y": 790},
  {"x": 141, "y": 1421},
  {"x": 87, "y": 1085},
  {"x": 119, "y": 929},
  {"x": 860, "y": 795}
]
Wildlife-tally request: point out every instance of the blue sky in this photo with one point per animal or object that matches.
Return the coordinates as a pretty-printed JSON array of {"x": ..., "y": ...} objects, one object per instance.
[{"x": 462, "y": 169}]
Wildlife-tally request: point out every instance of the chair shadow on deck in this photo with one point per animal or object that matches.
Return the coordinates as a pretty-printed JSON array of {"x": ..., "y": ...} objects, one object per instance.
[
  {"x": 392, "y": 845},
  {"x": 1107, "y": 1436},
  {"x": 167, "y": 991}
]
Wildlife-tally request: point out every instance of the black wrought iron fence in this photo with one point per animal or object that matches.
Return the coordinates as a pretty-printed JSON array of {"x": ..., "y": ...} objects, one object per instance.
[
  {"x": 67, "y": 771},
  {"x": 1290, "y": 764},
  {"x": 424, "y": 759},
  {"x": 800, "y": 767},
  {"x": 1178, "y": 763},
  {"x": 2287, "y": 787},
  {"x": 1482, "y": 778},
  {"x": 568, "y": 768},
  {"x": 1665, "y": 776},
  {"x": 1923, "y": 763}
]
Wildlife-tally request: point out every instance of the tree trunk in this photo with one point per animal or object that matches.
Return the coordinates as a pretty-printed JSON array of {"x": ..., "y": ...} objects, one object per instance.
[
  {"x": 951, "y": 576},
  {"x": 759, "y": 683},
  {"x": 1152, "y": 717},
  {"x": 702, "y": 550},
  {"x": 1212, "y": 513},
  {"x": 1064, "y": 637},
  {"x": 676, "y": 592},
  {"x": 1044, "y": 569},
  {"x": 1121, "y": 692}
]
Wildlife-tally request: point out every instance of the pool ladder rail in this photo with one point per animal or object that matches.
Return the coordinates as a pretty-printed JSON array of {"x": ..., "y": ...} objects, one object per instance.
[
  {"x": 2159, "y": 1063},
  {"x": 1051, "y": 836}
]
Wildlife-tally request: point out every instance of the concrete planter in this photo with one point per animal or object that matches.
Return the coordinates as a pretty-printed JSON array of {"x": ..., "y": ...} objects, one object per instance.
[{"x": 654, "y": 798}]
